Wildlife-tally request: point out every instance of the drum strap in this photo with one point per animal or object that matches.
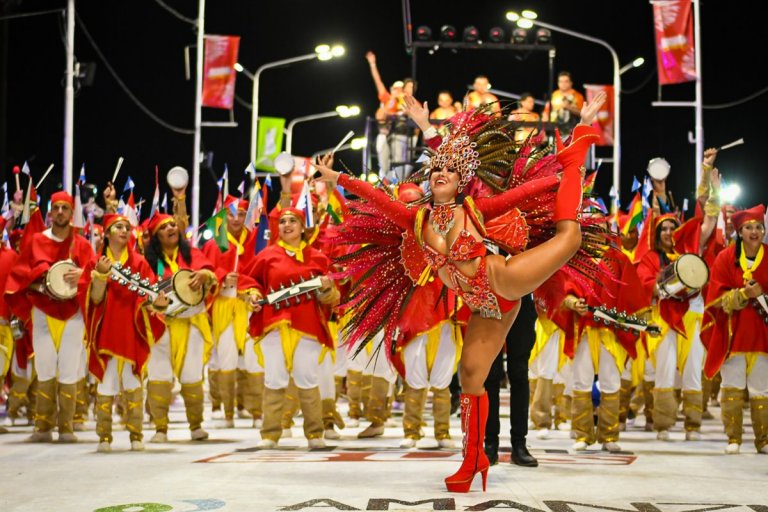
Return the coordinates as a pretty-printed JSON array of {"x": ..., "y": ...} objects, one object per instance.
[{"x": 744, "y": 264}]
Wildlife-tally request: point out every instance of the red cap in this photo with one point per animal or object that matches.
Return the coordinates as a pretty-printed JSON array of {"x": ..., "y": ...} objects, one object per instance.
[
  {"x": 157, "y": 221},
  {"x": 661, "y": 218},
  {"x": 293, "y": 211},
  {"x": 754, "y": 214},
  {"x": 62, "y": 197},
  {"x": 110, "y": 219},
  {"x": 242, "y": 204}
]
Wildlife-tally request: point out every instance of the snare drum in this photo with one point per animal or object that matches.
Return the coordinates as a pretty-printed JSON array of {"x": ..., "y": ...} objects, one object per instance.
[
  {"x": 55, "y": 285},
  {"x": 683, "y": 278}
]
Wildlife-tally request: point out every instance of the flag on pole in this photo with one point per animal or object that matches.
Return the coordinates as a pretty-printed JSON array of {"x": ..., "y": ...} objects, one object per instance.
[
  {"x": 219, "y": 71},
  {"x": 675, "y": 51},
  {"x": 156, "y": 197},
  {"x": 635, "y": 213},
  {"x": 164, "y": 204},
  {"x": 81, "y": 180},
  {"x": 337, "y": 207},
  {"x": 218, "y": 227},
  {"x": 131, "y": 213},
  {"x": 305, "y": 204},
  {"x": 30, "y": 200},
  {"x": 6, "y": 205},
  {"x": 25, "y": 168},
  {"x": 129, "y": 185},
  {"x": 241, "y": 188},
  {"x": 269, "y": 142},
  {"x": 635, "y": 184},
  {"x": 250, "y": 170},
  {"x": 78, "y": 219},
  {"x": 589, "y": 183}
]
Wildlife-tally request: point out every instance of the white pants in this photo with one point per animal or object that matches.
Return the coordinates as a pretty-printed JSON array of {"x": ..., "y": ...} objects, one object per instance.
[
  {"x": 375, "y": 364},
  {"x": 226, "y": 350},
  {"x": 565, "y": 376},
  {"x": 66, "y": 363},
  {"x": 213, "y": 361},
  {"x": 608, "y": 373},
  {"x": 305, "y": 364},
  {"x": 734, "y": 373},
  {"x": 545, "y": 364},
  {"x": 327, "y": 382},
  {"x": 417, "y": 375},
  {"x": 666, "y": 363},
  {"x": 250, "y": 361},
  {"x": 110, "y": 385},
  {"x": 160, "y": 368}
]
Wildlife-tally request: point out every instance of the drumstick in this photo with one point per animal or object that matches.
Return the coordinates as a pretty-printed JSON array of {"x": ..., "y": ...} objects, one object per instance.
[
  {"x": 16, "y": 172},
  {"x": 348, "y": 136},
  {"x": 732, "y": 144},
  {"x": 45, "y": 174},
  {"x": 117, "y": 169}
]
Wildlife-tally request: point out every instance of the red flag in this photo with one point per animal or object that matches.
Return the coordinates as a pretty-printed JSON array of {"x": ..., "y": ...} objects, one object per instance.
[
  {"x": 675, "y": 57},
  {"x": 604, "y": 119},
  {"x": 219, "y": 71}
]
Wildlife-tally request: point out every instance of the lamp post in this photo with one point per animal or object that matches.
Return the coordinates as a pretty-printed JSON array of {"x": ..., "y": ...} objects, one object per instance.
[
  {"x": 341, "y": 111},
  {"x": 529, "y": 18},
  {"x": 322, "y": 52}
]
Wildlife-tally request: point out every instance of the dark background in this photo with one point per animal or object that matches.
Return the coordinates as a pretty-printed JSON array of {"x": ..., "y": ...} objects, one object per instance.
[{"x": 144, "y": 43}]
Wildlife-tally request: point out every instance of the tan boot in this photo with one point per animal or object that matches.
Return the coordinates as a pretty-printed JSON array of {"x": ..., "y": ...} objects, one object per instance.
[
  {"x": 562, "y": 403},
  {"x": 759, "y": 411},
  {"x": 338, "y": 381},
  {"x": 241, "y": 382},
  {"x": 45, "y": 411},
  {"x": 732, "y": 412},
  {"x": 355, "y": 394},
  {"x": 103, "y": 413},
  {"x": 441, "y": 413},
  {"x": 253, "y": 394},
  {"x": 159, "y": 396},
  {"x": 706, "y": 391},
  {"x": 541, "y": 413},
  {"x": 227, "y": 394},
  {"x": 637, "y": 401},
  {"x": 664, "y": 410},
  {"x": 291, "y": 407},
  {"x": 82, "y": 402},
  {"x": 693, "y": 410},
  {"x": 608, "y": 418},
  {"x": 367, "y": 383},
  {"x": 377, "y": 408},
  {"x": 17, "y": 396},
  {"x": 717, "y": 382},
  {"x": 273, "y": 412},
  {"x": 32, "y": 400},
  {"x": 134, "y": 417},
  {"x": 193, "y": 404},
  {"x": 625, "y": 395},
  {"x": 331, "y": 416},
  {"x": 649, "y": 404},
  {"x": 213, "y": 389},
  {"x": 67, "y": 405},
  {"x": 414, "y": 413},
  {"x": 583, "y": 422},
  {"x": 312, "y": 410}
]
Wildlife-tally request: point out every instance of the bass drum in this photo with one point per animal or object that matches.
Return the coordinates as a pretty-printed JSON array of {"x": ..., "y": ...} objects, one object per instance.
[{"x": 55, "y": 285}]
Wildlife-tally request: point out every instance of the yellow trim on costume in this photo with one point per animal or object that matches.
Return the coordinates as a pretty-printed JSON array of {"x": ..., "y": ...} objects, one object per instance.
[
  {"x": 544, "y": 328},
  {"x": 230, "y": 310},
  {"x": 683, "y": 342},
  {"x": 123, "y": 256},
  {"x": 178, "y": 334},
  {"x": 298, "y": 252},
  {"x": 289, "y": 338},
  {"x": 172, "y": 262},
  {"x": 6, "y": 347},
  {"x": 630, "y": 254},
  {"x": 56, "y": 328},
  {"x": 238, "y": 243},
  {"x": 745, "y": 267},
  {"x": 418, "y": 226},
  {"x": 604, "y": 337},
  {"x": 638, "y": 363},
  {"x": 469, "y": 203}
]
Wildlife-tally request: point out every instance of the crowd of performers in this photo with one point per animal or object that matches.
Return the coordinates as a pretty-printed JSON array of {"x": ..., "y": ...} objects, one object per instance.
[{"x": 414, "y": 282}]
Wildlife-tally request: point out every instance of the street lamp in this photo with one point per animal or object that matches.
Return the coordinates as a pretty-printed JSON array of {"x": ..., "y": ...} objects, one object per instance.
[
  {"x": 528, "y": 19},
  {"x": 341, "y": 111},
  {"x": 634, "y": 64},
  {"x": 322, "y": 52}
]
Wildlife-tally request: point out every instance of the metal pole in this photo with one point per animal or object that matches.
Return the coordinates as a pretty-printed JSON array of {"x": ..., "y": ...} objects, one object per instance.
[
  {"x": 69, "y": 100},
  {"x": 198, "y": 116},
  {"x": 699, "y": 94},
  {"x": 616, "y": 96},
  {"x": 255, "y": 97},
  {"x": 294, "y": 122}
]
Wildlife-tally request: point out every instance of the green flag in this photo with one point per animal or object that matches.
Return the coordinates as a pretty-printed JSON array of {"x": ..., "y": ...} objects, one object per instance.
[
  {"x": 218, "y": 226},
  {"x": 270, "y": 142}
]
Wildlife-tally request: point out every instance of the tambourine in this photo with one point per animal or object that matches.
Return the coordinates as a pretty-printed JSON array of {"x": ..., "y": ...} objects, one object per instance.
[
  {"x": 177, "y": 177},
  {"x": 284, "y": 163},
  {"x": 658, "y": 169}
]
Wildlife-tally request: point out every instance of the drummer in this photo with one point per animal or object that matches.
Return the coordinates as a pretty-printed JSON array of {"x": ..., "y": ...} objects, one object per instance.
[
  {"x": 57, "y": 324},
  {"x": 678, "y": 352},
  {"x": 186, "y": 341}
]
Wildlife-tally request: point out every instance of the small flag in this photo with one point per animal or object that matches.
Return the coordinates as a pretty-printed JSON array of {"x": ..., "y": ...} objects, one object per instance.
[
  {"x": 30, "y": 202},
  {"x": 131, "y": 212},
  {"x": 635, "y": 213},
  {"x": 25, "y": 168},
  {"x": 82, "y": 174},
  {"x": 156, "y": 196},
  {"x": 635, "y": 184},
  {"x": 685, "y": 204},
  {"x": 78, "y": 220},
  {"x": 305, "y": 204},
  {"x": 164, "y": 204},
  {"x": 336, "y": 206},
  {"x": 250, "y": 170},
  {"x": 129, "y": 185},
  {"x": 589, "y": 183},
  {"x": 218, "y": 226},
  {"x": 268, "y": 181},
  {"x": 254, "y": 206},
  {"x": 241, "y": 188}
]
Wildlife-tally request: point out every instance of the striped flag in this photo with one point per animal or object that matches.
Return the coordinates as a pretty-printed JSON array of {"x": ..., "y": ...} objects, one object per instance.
[
  {"x": 305, "y": 204},
  {"x": 635, "y": 213},
  {"x": 336, "y": 206},
  {"x": 589, "y": 183}
]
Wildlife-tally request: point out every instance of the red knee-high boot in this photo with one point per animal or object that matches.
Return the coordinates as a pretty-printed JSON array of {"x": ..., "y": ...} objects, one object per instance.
[
  {"x": 474, "y": 414},
  {"x": 571, "y": 157}
]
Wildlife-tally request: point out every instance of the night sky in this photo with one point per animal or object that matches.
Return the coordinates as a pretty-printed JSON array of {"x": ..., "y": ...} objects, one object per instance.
[{"x": 145, "y": 45}]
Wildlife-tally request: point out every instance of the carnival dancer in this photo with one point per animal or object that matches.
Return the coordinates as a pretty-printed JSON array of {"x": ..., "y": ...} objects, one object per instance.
[
  {"x": 229, "y": 314},
  {"x": 184, "y": 345},
  {"x": 736, "y": 329},
  {"x": 447, "y": 240},
  {"x": 57, "y": 324},
  {"x": 118, "y": 331},
  {"x": 292, "y": 337}
]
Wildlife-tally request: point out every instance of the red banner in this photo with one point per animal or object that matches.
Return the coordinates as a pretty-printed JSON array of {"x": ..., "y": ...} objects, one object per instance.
[
  {"x": 219, "y": 71},
  {"x": 675, "y": 52},
  {"x": 604, "y": 119}
]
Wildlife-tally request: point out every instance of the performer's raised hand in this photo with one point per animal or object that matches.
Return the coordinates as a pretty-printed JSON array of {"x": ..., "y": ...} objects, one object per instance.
[
  {"x": 589, "y": 110},
  {"x": 418, "y": 112},
  {"x": 324, "y": 171}
]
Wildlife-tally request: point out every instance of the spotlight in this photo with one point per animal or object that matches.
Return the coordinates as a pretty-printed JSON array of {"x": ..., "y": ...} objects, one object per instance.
[
  {"x": 471, "y": 35},
  {"x": 423, "y": 33},
  {"x": 496, "y": 35},
  {"x": 448, "y": 32},
  {"x": 543, "y": 36},
  {"x": 519, "y": 35}
]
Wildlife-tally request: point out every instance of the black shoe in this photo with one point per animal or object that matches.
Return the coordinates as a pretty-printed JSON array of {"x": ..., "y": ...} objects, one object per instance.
[
  {"x": 521, "y": 457},
  {"x": 492, "y": 452}
]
